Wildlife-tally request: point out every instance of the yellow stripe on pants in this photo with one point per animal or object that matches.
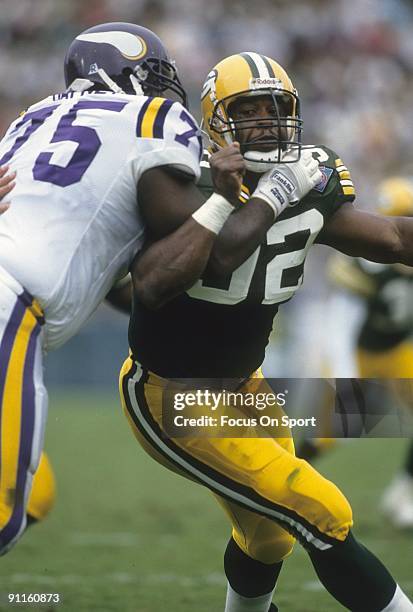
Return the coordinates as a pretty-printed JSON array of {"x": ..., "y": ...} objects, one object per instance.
[{"x": 11, "y": 414}]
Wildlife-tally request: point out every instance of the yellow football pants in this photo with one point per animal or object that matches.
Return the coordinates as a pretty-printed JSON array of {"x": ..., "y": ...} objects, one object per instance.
[
  {"x": 270, "y": 496},
  {"x": 395, "y": 364}
]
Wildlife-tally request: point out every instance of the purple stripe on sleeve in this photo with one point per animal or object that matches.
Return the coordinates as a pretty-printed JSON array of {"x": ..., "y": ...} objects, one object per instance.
[
  {"x": 141, "y": 116},
  {"x": 160, "y": 118}
]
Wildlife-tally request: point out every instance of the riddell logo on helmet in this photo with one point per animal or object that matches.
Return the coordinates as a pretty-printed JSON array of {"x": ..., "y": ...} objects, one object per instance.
[{"x": 267, "y": 82}]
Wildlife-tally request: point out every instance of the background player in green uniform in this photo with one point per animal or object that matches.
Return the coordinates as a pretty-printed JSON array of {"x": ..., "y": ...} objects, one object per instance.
[{"x": 383, "y": 339}]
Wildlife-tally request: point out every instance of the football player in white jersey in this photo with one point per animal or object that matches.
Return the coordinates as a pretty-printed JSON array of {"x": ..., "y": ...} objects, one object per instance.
[
  {"x": 75, "y": 223},
  {"x": 89, "y": 162}
]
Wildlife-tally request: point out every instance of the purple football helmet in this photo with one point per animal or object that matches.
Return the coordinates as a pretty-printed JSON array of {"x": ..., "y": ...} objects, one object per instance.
[{"x": 121, "y": 57}]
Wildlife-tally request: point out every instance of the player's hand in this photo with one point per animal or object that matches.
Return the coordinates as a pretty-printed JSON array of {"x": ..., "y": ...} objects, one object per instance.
[
  {"x": 7, "y": 183},
  {"x": 227, "y": 169},
  {"x": 287, "y": 183},
  {"x": 305, "y": 173}
]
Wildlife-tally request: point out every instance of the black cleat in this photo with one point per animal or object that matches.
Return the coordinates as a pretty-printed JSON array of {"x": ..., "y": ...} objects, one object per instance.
[{"x": 273, "y": 608}]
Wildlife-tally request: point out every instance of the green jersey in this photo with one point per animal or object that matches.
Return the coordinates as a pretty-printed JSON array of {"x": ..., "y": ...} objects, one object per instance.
[
  {"x": 221, "y": 325},
  {"x": 387, "y": 291}
]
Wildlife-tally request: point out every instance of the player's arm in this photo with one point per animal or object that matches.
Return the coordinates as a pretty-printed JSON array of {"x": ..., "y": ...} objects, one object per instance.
[
  {"x": 374, "y": 237},
  {"x": 246, "y": 228},
  {"x": 243, "y": 230},
  {"x": 282, "y": 185},
  {"x": 7, "y": 183},
  {"x": 120, "y": 296},
  {"x": 167, "y": 199}
]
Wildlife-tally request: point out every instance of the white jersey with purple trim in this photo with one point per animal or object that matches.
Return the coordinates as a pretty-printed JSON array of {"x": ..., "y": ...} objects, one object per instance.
[{"x": 74, "y": 223}]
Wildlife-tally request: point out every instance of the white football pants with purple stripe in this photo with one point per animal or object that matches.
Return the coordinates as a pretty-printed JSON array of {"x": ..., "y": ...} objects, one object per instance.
[{"x": 23, "y": 404}]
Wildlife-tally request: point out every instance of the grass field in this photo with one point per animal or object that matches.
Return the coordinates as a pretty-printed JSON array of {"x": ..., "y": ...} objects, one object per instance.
[{"x": 126, "y": 535}]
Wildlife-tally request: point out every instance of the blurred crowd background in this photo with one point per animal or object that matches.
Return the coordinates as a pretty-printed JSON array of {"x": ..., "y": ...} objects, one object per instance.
[{"x": 351, "y": 61}]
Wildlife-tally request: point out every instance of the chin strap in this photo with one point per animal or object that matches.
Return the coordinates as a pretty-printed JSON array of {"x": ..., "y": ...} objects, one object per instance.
[
  {"x": 81, "y": 85},
  {"x": 108, "y": 81},
  {"x": 84, "y": 84},
  {"x": 260, "y": 161},
  {"x": 137, "y": 87}
]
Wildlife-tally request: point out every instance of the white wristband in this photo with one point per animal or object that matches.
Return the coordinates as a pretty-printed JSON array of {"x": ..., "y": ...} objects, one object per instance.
[{"x": 213, "y": 213}]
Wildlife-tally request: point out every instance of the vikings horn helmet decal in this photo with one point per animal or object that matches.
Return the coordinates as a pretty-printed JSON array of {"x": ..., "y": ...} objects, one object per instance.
[{"x": 122, "y": 57}]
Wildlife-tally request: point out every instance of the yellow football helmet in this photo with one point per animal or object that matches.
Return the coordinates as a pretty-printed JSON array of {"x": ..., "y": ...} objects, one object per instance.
[
  {"x": 252, "y": 74},
  {"x": 396, "y": 197}
]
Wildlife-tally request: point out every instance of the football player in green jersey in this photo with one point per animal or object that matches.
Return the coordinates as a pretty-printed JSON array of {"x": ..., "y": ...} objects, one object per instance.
[
  {"x": 216, "y": 327},
  {"x": 382, "y": 340}
]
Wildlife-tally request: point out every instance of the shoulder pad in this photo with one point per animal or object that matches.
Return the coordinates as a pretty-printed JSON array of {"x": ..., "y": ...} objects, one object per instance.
[
  {"x": 331, "y": 164},
  {"x": 167, "y": 135},
  {"x": 335, "y": 187}
]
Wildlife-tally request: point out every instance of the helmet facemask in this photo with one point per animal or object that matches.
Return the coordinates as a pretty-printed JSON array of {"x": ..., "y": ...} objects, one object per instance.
[
  {"x": 283, "y": 126},
  {"x": 157, "y": 77},
  {"x": 248, "y": 76}
]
